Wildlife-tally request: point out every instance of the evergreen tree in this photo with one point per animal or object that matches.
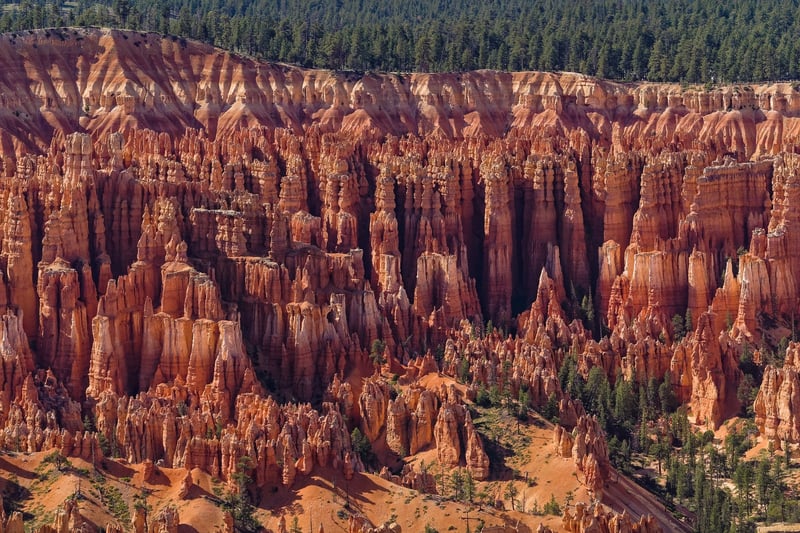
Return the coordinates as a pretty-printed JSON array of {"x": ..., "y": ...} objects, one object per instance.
[
  {"x": 687, "y": 40},
  {"x": 510, "y": 493}
]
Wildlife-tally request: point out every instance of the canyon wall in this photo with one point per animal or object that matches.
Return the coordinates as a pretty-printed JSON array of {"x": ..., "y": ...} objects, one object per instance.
[{"x": 199, "y": 251}]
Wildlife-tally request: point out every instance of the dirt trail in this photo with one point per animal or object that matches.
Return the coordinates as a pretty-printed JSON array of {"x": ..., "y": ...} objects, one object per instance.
[{"x": 623, "y": 493}]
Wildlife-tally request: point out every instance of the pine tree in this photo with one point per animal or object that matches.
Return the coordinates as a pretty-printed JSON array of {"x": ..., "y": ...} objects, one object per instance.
[
  {"x": 123, "y": 9},
  {"x": 457, "y": 483},
  {"x": 469, "y": 486},
  {"x": 510, "y": 493}
]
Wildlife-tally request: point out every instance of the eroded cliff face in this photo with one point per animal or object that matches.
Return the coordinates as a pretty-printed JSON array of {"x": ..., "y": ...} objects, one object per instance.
[
  {"x": 195, "y": 245},
  {"x": 588, "y": 448},
  {"x": 594, "y": 517},
  {"x": 778, "y": 401}
]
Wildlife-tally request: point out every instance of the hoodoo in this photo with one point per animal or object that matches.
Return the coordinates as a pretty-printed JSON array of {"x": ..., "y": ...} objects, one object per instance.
[{"x": 248, "y": 275}]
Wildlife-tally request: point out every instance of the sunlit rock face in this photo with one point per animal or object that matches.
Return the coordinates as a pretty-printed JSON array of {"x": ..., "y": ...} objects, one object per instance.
[{"x": 199, "y": 251}]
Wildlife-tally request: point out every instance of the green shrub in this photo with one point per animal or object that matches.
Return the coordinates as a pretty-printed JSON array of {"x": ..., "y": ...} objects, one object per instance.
[{"x": 552, "y": 507}]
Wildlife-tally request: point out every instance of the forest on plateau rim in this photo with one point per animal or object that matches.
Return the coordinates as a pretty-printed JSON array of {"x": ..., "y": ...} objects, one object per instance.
[{"x": 690, "y": 41}]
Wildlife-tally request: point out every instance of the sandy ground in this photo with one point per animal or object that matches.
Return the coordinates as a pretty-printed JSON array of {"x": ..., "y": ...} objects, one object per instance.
[
  {"x": 325, "y": 498},
  {"x": 39, "y": 489},
  {"x": 315, "y": 500}
]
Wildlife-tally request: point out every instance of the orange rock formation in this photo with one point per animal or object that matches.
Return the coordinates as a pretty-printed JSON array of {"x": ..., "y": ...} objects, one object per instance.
[{"x": 199, "y": 250}]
